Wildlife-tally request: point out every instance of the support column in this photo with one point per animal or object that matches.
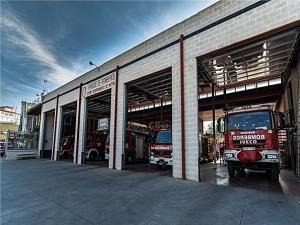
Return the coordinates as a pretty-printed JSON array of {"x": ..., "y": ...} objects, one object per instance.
[
  {"x": 58, "y": 133},
  {"x": 214, "y": 120},
  {"x": 41, "y": 134},
  {"x": 192, "y": 146},
  {"x": 182, "y": 112},
  {"x": 114, "y": 152},
  {"x": 81, "y": 119},
  {"x": 54, "y": 129},
  {"x": 77, "y": 130},
  {"x": 176, "y": 122}
]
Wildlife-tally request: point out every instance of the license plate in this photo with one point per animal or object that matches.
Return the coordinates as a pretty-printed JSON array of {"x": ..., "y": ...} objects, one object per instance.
[
  {"x": 160, "y": 163},
  {"x": 248, "y": 148}
]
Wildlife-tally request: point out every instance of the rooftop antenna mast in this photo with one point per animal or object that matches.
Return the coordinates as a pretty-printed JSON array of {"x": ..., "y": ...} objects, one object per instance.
[{"x": 43, "y": 89}]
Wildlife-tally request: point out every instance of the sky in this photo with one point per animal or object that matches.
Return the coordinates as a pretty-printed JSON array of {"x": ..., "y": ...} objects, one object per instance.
[{"x": 56, "y": 40}]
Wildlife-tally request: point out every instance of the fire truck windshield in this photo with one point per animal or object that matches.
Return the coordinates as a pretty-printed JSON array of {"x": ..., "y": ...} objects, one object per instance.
[
  {"x": 164, "y": 137},
  {"x": 249, "y": 121}
]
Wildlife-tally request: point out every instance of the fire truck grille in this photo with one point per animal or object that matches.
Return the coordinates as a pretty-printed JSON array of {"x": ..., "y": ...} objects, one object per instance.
[
  {"x": 259, "y": 142},
  {"x": 162, "y": 152}
]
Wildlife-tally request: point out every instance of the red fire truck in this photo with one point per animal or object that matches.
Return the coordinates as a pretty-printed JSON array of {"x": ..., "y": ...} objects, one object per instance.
[
  {"x": 94, "y": 149},
  {"x": 95, "y": 146},
  {"x": 161, "y": 147},
  {"x": 135, "y": 144},
  {"x": 251, "y": 140}
]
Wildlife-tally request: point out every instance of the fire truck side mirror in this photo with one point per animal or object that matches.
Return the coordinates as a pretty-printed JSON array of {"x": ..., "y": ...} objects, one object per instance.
[
  {"x": 220, "y": 125},
  {"x": 281, "y": 120}
]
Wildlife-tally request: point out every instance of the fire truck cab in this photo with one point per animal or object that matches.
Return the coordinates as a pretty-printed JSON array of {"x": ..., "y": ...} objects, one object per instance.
[
  {"x": 67, "y": 147},
  {"x": 95, "y": 146},
  {"x": 133, "y": 150},
  {"x": 251, "y": 140},
  {"x": 161, "y": 147}
]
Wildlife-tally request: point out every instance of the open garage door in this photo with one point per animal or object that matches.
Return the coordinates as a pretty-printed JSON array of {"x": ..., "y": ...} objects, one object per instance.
[
  {"x": 241, "y": 111},
  {"x": 96, "y": 149},
  {"x": 48, "y": 135},
  {"x": 67, "y": 138},
  {"x": 148, "y": 142}
]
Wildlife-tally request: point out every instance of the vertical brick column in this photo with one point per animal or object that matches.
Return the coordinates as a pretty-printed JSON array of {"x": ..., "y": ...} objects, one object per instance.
[
  {"x": 77, "y": 127},
  {"x": 41, "y": 134},
  {"x": 191, "y": 117},
  {"x": 54, "y": 128},
  {"x": 120, "y": 124},
  {"x": 111, "y": 127},
  {"x": 114, "y": 140},
  {"x": 82, "y": 125},
  {"x": 58, "y": 132},
  {"x": 176, "y": 121},
  {"x": 117, "y": 121}
]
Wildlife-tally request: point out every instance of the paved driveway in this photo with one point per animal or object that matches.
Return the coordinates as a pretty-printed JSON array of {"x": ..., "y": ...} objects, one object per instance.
[{"x": 48, "y": 192}]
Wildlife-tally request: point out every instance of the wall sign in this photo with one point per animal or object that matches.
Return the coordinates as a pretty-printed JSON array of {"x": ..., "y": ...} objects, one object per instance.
[
  {"x": 103, "y": 124},
  {"x": 98, "y": 85}
]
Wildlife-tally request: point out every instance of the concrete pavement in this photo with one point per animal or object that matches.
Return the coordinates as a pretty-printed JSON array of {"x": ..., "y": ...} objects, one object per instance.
[{"x": 56, "y": 192}]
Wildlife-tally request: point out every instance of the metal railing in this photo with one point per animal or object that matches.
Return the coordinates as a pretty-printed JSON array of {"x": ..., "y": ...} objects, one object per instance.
[{"x": 21, "y": 144}]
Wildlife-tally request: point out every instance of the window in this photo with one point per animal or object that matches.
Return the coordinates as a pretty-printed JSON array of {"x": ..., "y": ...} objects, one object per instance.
[
  {"x": 164, "y": 137},
  {"x": 249, "y": 121}
]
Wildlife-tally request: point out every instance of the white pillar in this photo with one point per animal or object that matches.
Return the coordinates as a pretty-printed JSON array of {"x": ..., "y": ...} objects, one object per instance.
[
  {"x": 58, "y": 132},
  {"x": 82, "y": 129},
  {"x": 121, "y": 120},
  {"x": 176, "y": 122},
  {"x": 192, "y": 146},
  {"x": 111, "y": 127},
  {"x": 41, "y": 134}
]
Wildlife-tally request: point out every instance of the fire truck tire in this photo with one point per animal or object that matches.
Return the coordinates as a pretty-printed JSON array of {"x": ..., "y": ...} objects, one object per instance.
[
  {"x": 231, "y": 170},
  {"x": 242, "y": 172},
  {"x": 93, "y": 156}
]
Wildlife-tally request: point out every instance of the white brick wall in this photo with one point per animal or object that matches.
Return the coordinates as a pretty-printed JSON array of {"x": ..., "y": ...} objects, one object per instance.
[
  {"x": 58, "y": 132},
  {"x": 41, "y": 134},
  {"x": 199, "y": 20},
  {"x": 82, "y": 128},
  {"x": 111, "y": 131},
  {"x": 259, "y": 20},
  {"x": 162, "y": 60}
]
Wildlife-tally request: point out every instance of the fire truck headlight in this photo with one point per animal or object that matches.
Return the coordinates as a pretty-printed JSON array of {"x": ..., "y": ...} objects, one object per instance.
[
  {"x": 271, "y": 156},
  {"x": 229, "y": 155}
]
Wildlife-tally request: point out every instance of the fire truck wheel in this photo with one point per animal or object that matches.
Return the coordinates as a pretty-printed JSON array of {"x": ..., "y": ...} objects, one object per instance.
[
  {"x": 231, "y": 170},
  {"x": 93, "y": 156},
  {"x": 242, "y": 172}
]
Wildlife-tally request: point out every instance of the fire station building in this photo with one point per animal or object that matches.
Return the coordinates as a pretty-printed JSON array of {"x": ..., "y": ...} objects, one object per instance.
[{"x": 231, "y": 54}]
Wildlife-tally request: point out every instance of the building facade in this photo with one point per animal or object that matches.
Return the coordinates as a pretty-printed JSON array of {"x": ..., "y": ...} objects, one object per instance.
[
  {"x": 219, "y": 28},
  {"x": 9, "y": 120}
]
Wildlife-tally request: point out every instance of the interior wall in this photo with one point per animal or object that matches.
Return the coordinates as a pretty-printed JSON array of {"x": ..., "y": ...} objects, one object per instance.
[{"x": 297, "y": 112}]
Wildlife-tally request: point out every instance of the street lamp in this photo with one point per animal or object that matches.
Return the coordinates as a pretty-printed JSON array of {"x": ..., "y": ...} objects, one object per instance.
[{"x": 93, "y": 64}]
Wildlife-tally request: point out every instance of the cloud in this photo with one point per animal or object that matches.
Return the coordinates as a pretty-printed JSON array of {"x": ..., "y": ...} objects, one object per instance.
[
  {"x": 164, "y": 19},
  {"x": 19, "y": 35},
  {"x": 12, "y": 89}
]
